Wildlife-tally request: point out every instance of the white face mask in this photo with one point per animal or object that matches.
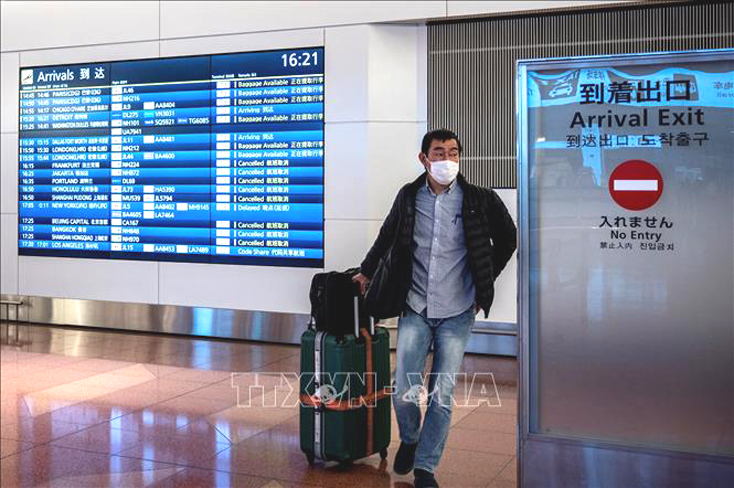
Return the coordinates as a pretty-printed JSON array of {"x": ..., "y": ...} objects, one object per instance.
[{"x": 444, "y": 172}]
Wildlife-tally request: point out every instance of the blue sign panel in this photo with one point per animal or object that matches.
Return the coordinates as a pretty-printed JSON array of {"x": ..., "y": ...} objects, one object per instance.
[{"x": 214, "y": 159}]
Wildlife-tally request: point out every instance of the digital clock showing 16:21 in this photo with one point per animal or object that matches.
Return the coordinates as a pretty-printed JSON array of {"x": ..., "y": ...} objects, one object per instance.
[{"x": 300, "y": 58}]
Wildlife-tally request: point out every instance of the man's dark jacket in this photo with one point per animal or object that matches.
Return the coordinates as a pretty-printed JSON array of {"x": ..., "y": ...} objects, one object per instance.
[{"x": 489, "y": 233}]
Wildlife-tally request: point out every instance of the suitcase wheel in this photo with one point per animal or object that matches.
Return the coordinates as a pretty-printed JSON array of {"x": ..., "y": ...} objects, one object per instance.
[
  {"x": 383, "y": 453},
  {"x": 309, "y": 457}
]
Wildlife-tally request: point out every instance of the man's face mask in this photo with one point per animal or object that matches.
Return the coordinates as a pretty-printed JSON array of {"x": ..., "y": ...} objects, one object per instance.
[{"x": 444, "y": 171}]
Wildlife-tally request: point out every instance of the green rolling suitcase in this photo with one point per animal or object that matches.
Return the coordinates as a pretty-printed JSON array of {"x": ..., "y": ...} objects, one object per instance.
[{"x": 345, "y": 413}]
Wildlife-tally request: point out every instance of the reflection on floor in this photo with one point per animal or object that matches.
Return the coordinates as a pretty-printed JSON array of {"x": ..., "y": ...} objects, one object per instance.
[{"x": 96, "y": 408}]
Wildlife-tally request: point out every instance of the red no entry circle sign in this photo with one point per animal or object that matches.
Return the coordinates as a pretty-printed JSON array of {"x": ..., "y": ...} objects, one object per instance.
[{"x": 636, "y": 184}]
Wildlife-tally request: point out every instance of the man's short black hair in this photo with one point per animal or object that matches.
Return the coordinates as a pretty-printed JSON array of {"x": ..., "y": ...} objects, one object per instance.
[{"x": 438, "y": 135}]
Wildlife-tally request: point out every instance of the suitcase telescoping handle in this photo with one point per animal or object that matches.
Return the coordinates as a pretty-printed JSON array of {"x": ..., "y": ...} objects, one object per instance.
[{"x": 356, "y": 316}]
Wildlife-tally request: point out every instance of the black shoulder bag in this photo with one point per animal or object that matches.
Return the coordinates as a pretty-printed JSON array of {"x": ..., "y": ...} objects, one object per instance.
[{"x": 384, "y": 298}]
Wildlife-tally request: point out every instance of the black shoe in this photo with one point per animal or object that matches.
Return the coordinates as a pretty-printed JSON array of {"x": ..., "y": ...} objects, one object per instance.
[
  {"x": 404, "y": 458},
  {"x": 424, "y": 479}
]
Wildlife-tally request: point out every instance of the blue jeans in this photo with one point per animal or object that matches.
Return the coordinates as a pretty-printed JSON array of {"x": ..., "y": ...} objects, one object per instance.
[{"x": 415, "y": 335}]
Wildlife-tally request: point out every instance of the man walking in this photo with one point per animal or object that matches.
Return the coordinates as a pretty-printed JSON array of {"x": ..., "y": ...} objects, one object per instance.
[{"x": 452, "y": 239}]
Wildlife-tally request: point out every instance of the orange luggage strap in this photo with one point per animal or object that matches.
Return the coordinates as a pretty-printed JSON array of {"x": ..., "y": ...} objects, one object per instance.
[{"x": 344, "y": 405}]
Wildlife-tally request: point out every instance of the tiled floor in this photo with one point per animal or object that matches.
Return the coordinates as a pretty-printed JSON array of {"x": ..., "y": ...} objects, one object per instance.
[{"x": 85, "y": 407}]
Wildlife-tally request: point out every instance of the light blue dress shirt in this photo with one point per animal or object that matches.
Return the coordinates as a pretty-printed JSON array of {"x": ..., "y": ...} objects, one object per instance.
[{"x": 442, "y": 281}]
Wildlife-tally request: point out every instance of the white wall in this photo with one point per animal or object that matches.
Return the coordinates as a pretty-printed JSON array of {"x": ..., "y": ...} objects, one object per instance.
[
  {"x": 478, "y": 7},
  {"x": 375, "y": 115}
]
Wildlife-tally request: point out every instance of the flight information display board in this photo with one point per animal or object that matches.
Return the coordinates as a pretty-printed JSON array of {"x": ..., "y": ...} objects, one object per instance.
[{"x": 198, "y": 159}]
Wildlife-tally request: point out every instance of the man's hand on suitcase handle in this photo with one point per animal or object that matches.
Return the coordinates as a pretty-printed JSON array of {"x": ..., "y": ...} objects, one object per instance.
[{"x": 363, "y": 281}]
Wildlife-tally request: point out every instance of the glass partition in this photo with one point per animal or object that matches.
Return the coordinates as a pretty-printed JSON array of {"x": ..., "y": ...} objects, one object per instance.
[{"x": 627, "y": 202}]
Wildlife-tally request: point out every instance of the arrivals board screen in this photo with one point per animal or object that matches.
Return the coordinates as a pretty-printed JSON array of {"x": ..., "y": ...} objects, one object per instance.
[{"x": 215, "y": 159}]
